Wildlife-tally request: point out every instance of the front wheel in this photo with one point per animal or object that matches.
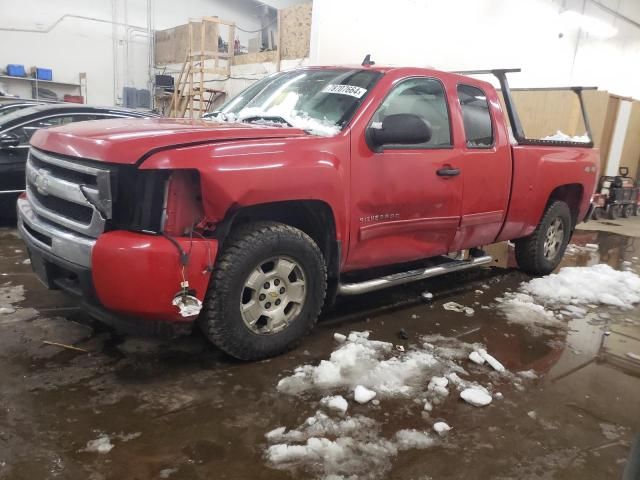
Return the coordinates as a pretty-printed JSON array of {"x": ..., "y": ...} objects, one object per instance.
[
  {"x": 266, "y": 291},
  {"x": 541, "y": 252}
]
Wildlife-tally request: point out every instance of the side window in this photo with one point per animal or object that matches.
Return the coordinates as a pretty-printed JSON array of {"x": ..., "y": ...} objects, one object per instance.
[
  {"x": 423, "y": 97},
  {"x": 476, "y": 117},
  {"x": 26, "y": 131}
]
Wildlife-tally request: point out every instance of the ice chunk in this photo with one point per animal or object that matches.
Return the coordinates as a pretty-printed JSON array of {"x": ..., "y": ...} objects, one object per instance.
[
  {"x": 476, "y": 397},
  {"x": 633, "y": 356},
  {"x": 327, "y": 374},
  {"x": 441, "y": 428},
  {"x": 495, "y": 364},
  {"x": 275, "y": 434},
  {"x": 427, "y": 295},
  {"x": 428, "y": 406},
  {"x": 7, "y": 310},
  {"x": 362, "y": 394},
  {"x": 475, "y": 357},
  {"x": 410, "y": 438},
  {"x": 438, "y": 381},
  {"x": 102, "y": 444},
  {"x": 337, "y": 403},
  {"x": 340, "y": 338},
  {"x": 530, "y": 374},
  {"x": 453, "y": 306}
]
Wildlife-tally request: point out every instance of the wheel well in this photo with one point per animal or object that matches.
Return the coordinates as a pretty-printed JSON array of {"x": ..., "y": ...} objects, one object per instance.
[
  {"x": 571, "y": 194},
  {"x": 313, "y": 217}
]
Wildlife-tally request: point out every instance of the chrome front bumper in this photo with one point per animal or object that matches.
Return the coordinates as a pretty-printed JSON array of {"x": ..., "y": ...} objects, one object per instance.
[{"x": 46, "y": 236}]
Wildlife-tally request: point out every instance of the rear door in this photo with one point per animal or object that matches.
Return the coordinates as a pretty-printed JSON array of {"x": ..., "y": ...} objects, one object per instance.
[
  {"x": 402, "y": 207},
  {"x": 486, "y": 163}
]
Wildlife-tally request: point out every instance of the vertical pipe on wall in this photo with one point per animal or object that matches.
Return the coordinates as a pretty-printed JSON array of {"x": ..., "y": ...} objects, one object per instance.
[{"x": 114, "y": 38}]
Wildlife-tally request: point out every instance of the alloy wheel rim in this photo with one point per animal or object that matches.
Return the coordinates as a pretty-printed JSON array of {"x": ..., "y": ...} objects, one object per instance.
[
  {"x": 553, "y": 239},
  {"x": 273, "y": 295}
]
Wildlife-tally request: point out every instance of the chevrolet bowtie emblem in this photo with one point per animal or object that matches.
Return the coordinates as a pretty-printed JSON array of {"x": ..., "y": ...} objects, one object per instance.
[
  {"x": 41, "y": 181},
  {"x": 273, "y": 294}
]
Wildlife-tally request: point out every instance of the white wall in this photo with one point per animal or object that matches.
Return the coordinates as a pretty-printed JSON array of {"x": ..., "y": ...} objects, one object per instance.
[
  {"x": 113, "y": 56},
  {"x": 467, "y": 34}
]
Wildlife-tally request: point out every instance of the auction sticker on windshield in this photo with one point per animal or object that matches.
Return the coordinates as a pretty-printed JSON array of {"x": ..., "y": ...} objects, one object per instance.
[{"x": 350, "y": 90}]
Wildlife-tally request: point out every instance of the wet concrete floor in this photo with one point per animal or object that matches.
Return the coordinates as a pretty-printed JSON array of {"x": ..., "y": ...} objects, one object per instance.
[{"x": 180, "y": 409}]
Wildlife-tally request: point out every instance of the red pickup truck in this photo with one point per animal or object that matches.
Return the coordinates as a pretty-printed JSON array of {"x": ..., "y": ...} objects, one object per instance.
[{"x": 311, "y": 183}]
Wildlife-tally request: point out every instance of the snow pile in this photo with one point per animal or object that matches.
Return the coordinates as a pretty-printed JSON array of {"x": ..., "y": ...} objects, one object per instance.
[
  {"x": 325, "y": 446},
  {"x": 542, "y": 303},
  {"x": 563, "y": 137},
  {"x": 286, "y": 112},
  {"x": 598, "y": 284},
  {"x": 333, "y": 444},
  {"x": 522, "y": 309},
  {"x": 362, "y": 362},
  {"x": 352, "y": 446},
  {"x": 10, "y": 294}
]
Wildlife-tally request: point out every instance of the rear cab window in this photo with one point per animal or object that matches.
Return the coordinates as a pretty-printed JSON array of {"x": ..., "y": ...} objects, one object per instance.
[{"x": 478, "y": 127}]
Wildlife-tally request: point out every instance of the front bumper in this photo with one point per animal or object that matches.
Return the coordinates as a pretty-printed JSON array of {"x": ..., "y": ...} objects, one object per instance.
[{"x": 127, "y": 273}]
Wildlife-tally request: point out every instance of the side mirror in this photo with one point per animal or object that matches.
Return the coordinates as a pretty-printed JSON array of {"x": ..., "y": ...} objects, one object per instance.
[
  {"x": 399, "y": 129},
  {"x": 9, "y": 140}
]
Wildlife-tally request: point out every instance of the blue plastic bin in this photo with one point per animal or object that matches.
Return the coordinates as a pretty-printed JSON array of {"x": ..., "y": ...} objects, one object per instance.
[
  {"x": 15, "y": 70},
  {"x": 43, "y": 73}
]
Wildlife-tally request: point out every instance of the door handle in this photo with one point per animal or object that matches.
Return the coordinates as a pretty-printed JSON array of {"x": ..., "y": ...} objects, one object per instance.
[{"x": 448, "y": 172}]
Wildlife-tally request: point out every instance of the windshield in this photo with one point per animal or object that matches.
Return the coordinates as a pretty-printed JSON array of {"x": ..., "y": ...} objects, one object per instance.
[{"x": 319, "y": 101}]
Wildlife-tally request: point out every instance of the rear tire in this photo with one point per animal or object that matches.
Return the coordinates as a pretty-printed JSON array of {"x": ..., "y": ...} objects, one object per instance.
[
  {"x": 541, "y": 252},
  {"x": 266, "y": 291},
  {"x": 627, "y": 210}
]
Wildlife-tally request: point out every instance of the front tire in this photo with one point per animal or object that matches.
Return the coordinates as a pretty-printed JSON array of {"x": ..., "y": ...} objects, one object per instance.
[
  {"x": 266, "y": 291},
  {"x": 541, "y": 252}
]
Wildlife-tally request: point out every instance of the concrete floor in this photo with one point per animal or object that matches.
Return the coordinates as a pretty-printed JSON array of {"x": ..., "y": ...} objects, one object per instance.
[{"x": 182, "y": 410}]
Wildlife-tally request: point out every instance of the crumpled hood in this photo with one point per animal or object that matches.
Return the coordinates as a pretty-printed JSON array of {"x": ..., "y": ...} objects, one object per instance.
[{"x": 127, "y": 140}]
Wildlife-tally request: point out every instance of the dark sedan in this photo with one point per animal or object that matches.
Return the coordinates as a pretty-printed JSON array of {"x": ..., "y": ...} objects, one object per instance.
[
  {"x": 13, "y": 106},
  {"x": 16, "y": 129}
]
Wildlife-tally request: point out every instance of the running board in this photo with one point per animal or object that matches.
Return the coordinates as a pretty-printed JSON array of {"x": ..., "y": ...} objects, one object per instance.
[{"x": 411, "y": 276}]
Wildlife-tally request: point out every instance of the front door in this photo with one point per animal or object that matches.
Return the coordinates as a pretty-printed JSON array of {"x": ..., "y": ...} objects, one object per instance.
[{"x": 405, "y": 200}]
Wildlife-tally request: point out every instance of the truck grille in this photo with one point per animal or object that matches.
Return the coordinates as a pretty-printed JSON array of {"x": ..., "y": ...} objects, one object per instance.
[{"x": 73, "y": 196}]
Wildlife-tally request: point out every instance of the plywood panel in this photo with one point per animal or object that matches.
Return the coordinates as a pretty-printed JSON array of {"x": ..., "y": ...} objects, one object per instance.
[
  {"x": 630, "y": 156},
  {"x": 296, "y": 31},
  {"x": 257, "y": 57},
  {"x": 171, "y": 45}
]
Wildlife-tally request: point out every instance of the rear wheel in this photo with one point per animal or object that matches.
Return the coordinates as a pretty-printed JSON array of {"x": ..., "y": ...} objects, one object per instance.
[
  {"x": 266, "y": 292},
  {"x": 541, "y": 252},
  {"x": 627, "y": 210}
]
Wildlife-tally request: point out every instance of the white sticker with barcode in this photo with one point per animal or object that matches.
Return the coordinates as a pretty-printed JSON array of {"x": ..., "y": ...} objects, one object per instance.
[{"x": 350, "y": 90}]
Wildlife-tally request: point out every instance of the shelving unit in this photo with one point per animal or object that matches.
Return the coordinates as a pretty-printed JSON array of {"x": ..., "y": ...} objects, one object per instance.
[{"x": 23, "y": 86}]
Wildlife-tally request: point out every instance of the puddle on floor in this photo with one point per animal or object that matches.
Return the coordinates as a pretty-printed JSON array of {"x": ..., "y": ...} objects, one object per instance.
[{"x": 182, "y": 410}]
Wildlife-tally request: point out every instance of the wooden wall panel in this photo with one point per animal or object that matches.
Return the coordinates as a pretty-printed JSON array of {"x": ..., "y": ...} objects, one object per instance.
[{"x": 296, "y": 31}]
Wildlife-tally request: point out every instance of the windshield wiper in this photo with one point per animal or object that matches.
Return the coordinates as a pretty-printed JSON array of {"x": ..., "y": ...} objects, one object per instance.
[{"x": 268, "y": 118}]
